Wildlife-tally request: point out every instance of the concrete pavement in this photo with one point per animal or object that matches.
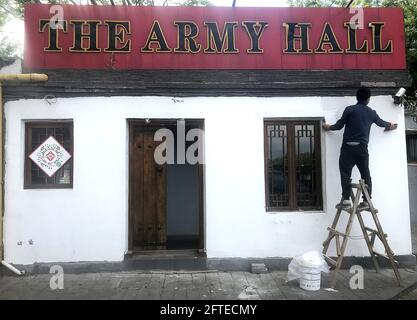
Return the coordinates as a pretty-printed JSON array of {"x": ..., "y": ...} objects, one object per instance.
[{"x": 200, "y": 285}]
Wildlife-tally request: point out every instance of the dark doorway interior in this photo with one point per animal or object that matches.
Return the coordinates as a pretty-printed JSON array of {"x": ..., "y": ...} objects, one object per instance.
[{"x": 182, "y": 206}]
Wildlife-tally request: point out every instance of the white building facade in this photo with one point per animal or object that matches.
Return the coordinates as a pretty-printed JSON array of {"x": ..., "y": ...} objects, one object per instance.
[
  {"x": 266, "y": 188},
  {"x": 90, "y": 221}
]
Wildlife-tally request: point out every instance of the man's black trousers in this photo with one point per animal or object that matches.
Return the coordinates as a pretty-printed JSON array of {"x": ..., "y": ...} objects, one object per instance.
[{"x": 349, "y": 157}]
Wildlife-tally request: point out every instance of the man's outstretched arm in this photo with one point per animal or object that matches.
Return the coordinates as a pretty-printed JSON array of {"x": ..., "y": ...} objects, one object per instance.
[
  {"x": 339, "y": 124},
  {"x": 384, "y": 124}
]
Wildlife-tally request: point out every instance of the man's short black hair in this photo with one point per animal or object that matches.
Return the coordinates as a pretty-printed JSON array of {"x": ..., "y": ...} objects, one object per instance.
[{"x": 363, "y": 94}]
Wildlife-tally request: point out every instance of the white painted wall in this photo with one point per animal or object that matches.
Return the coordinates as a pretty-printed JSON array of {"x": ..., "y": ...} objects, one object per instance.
[{"x": 89, "y": 222}]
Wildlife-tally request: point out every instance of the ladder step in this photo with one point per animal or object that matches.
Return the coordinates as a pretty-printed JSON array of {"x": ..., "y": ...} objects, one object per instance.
[
  {"x": 336, "y": 232},
  {"x": 330, "y": 260},
  {"x": 384, "y": 256},
  {"x": 347, "y": 209},
  {"x": 367, "y": 209},
  {"x": 374, "y": 231},
  {"x": 357, "y": 185}
]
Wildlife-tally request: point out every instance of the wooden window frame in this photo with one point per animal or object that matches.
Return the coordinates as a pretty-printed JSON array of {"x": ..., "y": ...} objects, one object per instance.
[
  {"x": 290, "y": 123},
  {"x": 28, "y": 142}
]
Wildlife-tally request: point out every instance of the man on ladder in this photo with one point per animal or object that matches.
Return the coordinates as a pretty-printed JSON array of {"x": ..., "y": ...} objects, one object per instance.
[{"x": 357, "y": 120}]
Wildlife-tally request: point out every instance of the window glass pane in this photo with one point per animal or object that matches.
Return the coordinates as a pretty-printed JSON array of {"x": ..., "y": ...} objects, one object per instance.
[
  {"x": 63, "y": 135},
  {"x": 305, "y": 165},
  {"x": 278, "y": 166},
  {"x": 412, "y": 148}
]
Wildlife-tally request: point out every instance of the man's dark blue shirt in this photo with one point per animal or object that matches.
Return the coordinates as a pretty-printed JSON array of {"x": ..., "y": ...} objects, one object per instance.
[{"x": 358, "y": 120}]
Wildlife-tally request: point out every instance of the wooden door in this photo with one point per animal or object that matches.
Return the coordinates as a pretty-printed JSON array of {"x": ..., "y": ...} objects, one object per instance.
[{"x": 147, "y": 192}]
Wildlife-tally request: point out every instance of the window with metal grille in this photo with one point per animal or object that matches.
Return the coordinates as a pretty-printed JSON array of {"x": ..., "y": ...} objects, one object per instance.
[
  {"x": 293, "y": 165},
  {"x": 411, "y": 139},
  {"x": 37, "y": 133}
]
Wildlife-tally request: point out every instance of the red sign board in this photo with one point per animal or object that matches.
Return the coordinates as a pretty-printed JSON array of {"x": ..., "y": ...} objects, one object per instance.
[{"x": 129, "y": 37}]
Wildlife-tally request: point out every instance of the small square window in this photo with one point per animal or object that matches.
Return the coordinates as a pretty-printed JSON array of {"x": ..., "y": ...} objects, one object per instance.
[{"x": 36, "y": 133}]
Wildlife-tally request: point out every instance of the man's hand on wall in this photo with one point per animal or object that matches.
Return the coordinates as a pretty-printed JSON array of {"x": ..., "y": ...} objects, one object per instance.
[
  {"x": 392, "y": 126},
  {"x": 326, "y": 127}
]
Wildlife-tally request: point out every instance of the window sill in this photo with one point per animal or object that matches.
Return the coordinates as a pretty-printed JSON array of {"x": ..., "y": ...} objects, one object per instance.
[
  {"x": 48, "y": 188},
  {"x": 296, "y": 212}
]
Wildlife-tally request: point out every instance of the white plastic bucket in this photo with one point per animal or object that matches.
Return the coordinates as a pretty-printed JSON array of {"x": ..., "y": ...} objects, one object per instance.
[{"x": 310, "y": 281}]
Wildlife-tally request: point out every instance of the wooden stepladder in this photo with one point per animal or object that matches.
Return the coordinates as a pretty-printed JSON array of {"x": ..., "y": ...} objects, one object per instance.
[{"x": 369, "y": 234}]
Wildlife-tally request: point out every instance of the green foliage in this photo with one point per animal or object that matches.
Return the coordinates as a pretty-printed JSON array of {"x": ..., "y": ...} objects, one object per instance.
[
  {"x": 196, "y": 3},
  {"x": 318, "y": 3},
  {"x": 410, "y": 21},
  {"x": 8, "y": 49},
  {"x": 14, "y": 10}
]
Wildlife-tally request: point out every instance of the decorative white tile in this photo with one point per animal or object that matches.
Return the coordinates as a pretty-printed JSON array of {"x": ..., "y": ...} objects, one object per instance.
[{"x": 50, "y": 156}]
